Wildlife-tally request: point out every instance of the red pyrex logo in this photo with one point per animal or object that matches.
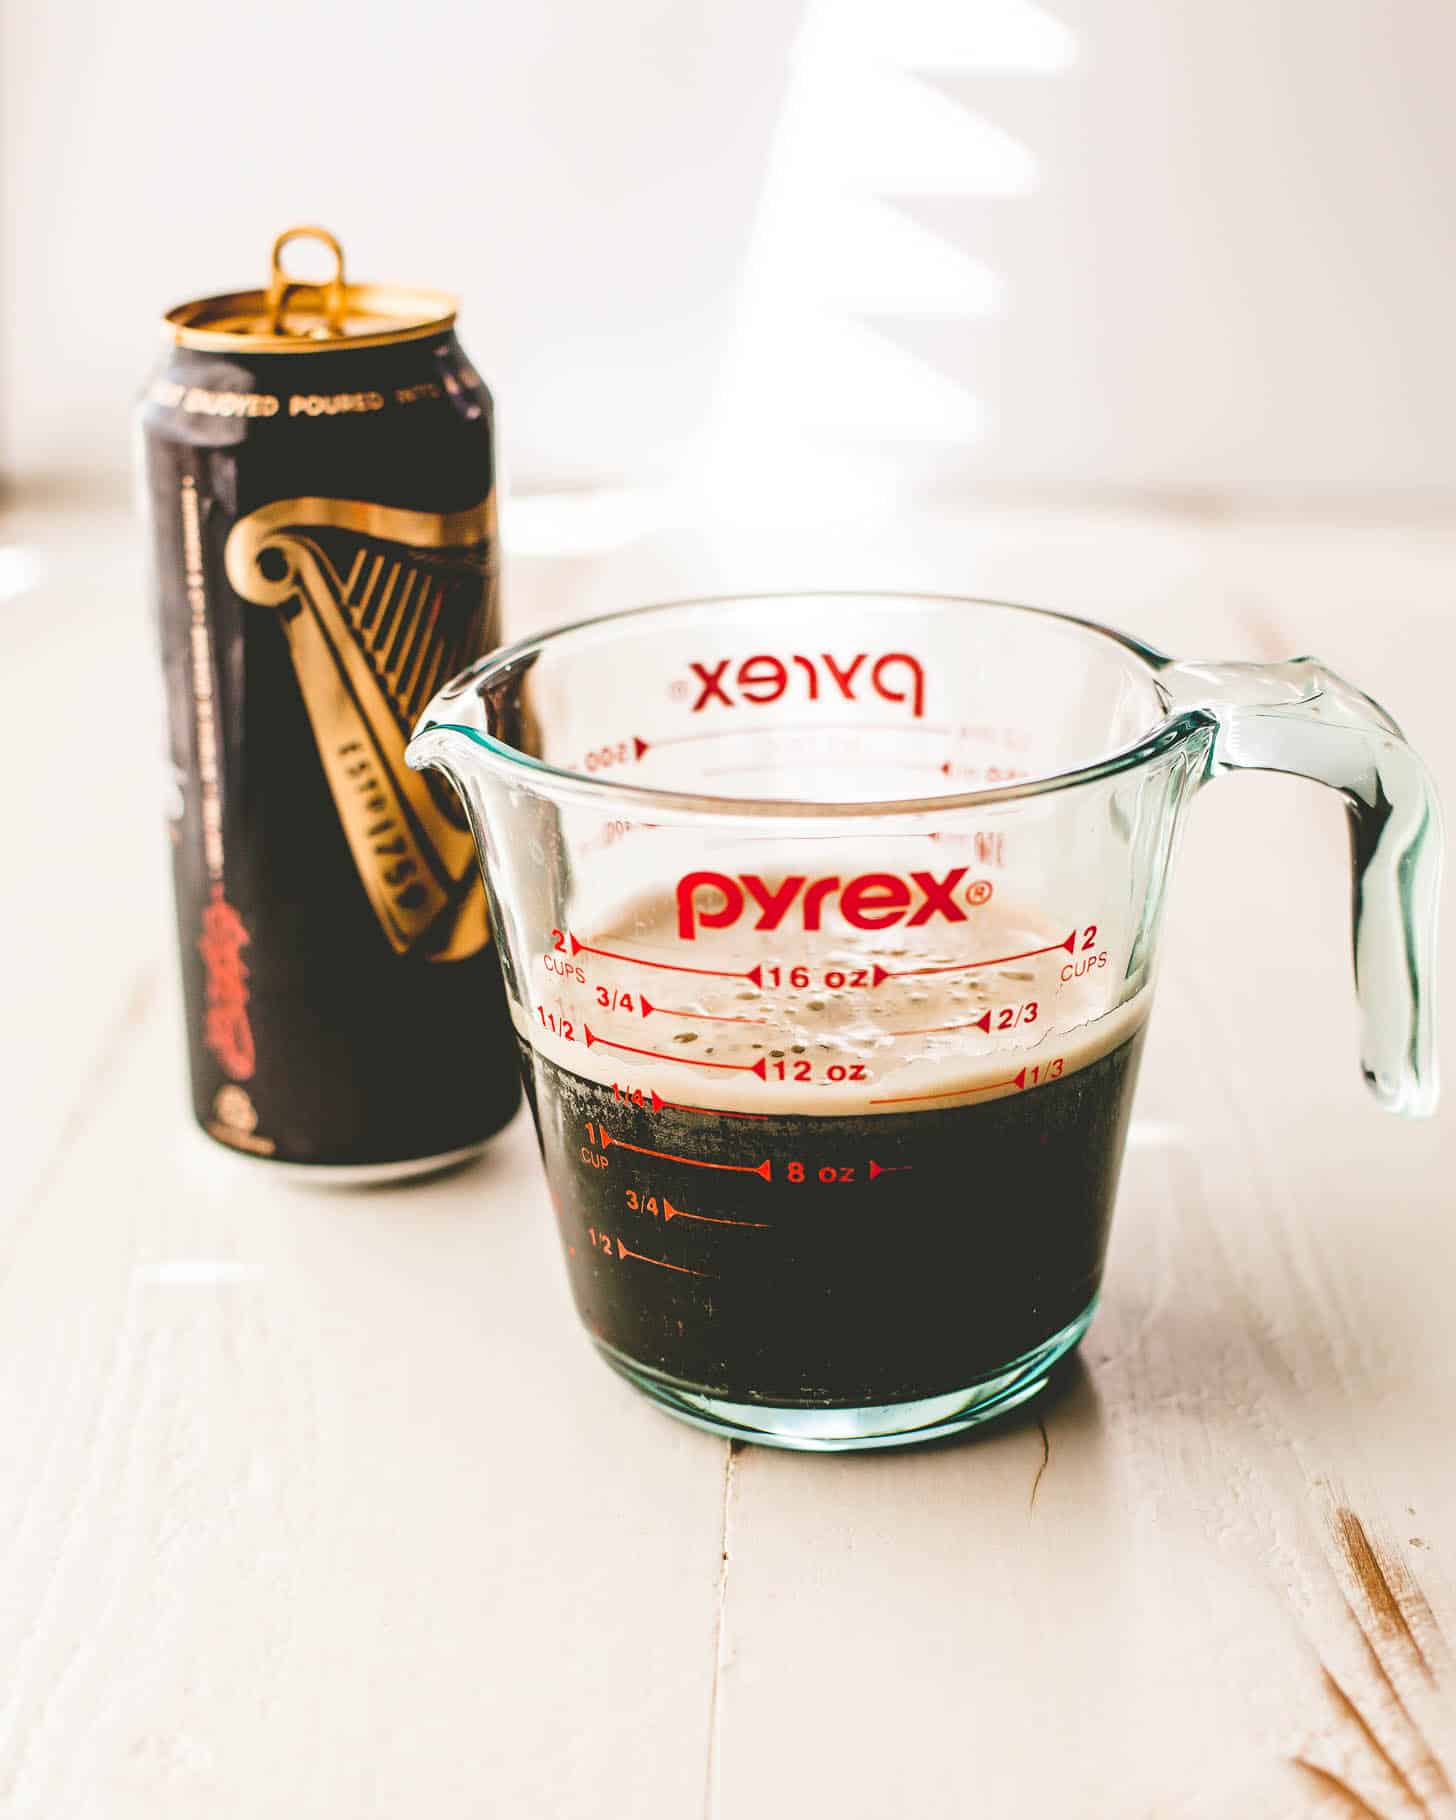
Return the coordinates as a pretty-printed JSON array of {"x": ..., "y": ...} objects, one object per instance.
[
  {"x": 870, "y": 900},
  {"x": 895, "y": 676}
]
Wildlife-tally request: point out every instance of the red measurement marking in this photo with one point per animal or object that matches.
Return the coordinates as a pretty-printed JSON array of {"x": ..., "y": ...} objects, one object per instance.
[
  {"x": 952, "y": 1093},
  {"x": 712, "y": 1017},
  {"x": 669, "y": 1212},
  {"x": 760, "y": 1067},
  {"x": 765, "y": 1168},
  {"x": 881, "y": 764},
  {"x": 808, "y": 732},
  {"x": 754, "y": 974},
  {"x": 661, "y": 1263},
  {"x": 995, "y": 960},
  {"x": 983, "y": 1022},
  {"x": 635, "y": 1097},
  {"x": 879, "y": 1169},
  {"x": 709, "y": 1112}
]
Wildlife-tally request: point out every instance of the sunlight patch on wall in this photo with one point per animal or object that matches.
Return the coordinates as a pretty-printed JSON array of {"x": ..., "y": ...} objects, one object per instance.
[{"x": 814, "y": 398}]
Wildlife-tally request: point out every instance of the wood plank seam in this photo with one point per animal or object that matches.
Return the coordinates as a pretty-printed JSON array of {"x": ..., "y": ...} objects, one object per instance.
[{"x": 710, "y": 1771}]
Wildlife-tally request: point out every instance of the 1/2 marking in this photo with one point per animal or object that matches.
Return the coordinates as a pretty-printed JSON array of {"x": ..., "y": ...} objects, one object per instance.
[
  {"x": 760, "y": 1067},
  {"x": 604, "y": 1242}
]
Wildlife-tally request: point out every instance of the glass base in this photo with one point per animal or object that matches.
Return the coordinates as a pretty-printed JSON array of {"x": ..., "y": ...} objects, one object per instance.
[{"x": 875, "y": 1425}]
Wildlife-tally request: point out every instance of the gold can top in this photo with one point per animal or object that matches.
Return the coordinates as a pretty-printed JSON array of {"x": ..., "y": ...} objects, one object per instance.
[{"x": 299, "y": 316}]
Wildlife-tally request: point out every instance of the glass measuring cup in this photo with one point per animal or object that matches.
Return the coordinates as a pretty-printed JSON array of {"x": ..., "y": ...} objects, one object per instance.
[{"x": 828, "y": 925}]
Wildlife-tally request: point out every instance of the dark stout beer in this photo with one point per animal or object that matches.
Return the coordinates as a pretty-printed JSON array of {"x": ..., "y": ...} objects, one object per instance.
[
  {"x": 320, "y": 481},
  {"x": 859, "y": 1260},
  {"x": 833, "y": 1170}
]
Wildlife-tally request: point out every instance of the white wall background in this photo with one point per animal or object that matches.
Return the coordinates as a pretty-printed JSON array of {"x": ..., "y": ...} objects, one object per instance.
[
  {"x": 582, "y": 172},
  {"x": 1109, "y": 247}
]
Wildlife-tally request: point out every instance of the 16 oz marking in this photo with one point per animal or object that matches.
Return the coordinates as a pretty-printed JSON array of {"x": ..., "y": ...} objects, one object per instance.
[{"x": 834, "y": 979}]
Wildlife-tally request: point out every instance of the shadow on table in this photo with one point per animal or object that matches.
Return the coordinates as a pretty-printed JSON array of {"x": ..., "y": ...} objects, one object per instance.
[
  {"x": 1070, "y": 1401},
  {"x": 1069, "y": 1408}
]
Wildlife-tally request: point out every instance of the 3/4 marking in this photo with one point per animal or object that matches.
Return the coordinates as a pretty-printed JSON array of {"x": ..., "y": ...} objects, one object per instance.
[
  {"x": 710, "y": 1017},
  {"x": 669, "y": 1212},
  {"x": 664, "y": 1210}
]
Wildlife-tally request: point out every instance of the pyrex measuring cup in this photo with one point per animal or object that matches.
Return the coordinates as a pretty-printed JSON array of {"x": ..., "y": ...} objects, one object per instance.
[{"x": 828, "y": 926}]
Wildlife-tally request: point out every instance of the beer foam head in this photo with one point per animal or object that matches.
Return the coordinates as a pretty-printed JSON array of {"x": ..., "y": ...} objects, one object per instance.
[{"x": 853, "y": 991}]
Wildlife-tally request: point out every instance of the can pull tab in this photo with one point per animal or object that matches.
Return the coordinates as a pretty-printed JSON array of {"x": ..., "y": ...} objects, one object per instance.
[{"x": 330, "y": 294}]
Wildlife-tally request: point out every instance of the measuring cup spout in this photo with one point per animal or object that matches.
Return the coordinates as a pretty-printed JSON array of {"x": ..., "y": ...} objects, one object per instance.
[
  {"x": 451, "y": 750},
  {"x": 444, "y": 749},
  {"x": 1300, "y": 718}
]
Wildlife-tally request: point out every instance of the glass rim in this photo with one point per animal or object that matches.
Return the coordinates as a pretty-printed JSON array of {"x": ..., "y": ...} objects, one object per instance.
[{"x": 1160, "y": 738}]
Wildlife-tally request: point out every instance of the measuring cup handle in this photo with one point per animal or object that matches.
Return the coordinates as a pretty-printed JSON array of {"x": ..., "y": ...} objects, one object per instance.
[{"x": 1301, "y": 718}]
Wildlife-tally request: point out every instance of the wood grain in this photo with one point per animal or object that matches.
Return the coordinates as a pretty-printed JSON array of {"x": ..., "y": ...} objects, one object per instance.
[{"x": 319, "y": 1505}]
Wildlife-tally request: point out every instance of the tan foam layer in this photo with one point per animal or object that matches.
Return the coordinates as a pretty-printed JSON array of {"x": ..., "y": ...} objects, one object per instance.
[{"x": 773, "y": 1045}]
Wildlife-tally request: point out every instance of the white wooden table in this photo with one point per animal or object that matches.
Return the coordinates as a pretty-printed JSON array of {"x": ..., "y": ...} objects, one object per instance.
[{"x": 317, "y": 1505}]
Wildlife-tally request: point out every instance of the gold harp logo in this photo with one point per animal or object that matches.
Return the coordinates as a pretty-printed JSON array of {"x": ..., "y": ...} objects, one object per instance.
[{"x": 380, "y": 606}]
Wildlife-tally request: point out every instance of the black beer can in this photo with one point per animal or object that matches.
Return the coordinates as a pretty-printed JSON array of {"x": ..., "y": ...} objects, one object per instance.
[{"x": 319, "y": 479}]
